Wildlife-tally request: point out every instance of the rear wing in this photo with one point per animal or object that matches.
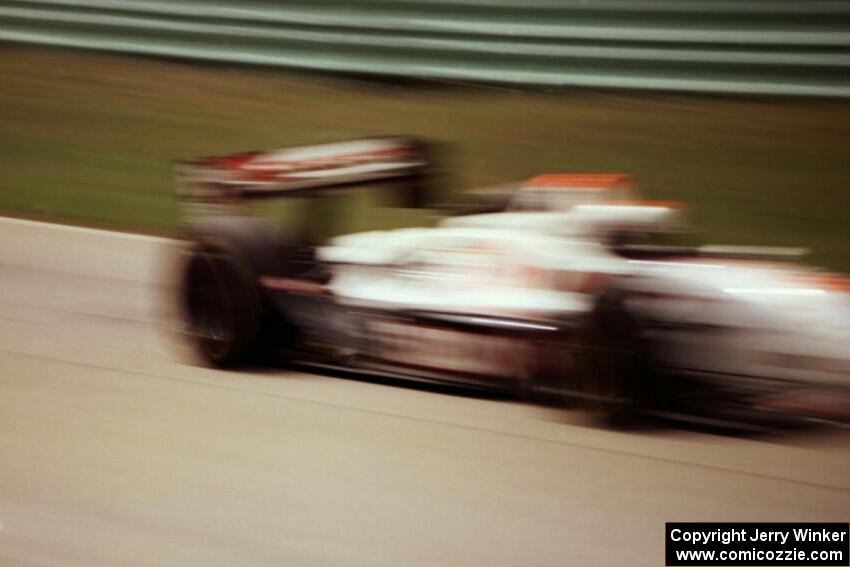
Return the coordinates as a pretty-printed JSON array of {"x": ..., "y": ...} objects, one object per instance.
[{"x": 303, "y": 171}]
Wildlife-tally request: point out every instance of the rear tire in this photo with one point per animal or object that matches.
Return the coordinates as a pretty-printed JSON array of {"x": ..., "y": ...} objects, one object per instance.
[{"x": 224, "y": 311}]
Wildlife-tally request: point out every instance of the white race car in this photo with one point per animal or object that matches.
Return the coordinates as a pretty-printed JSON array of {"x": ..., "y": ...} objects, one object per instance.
[{"x": 565, "y": 291}]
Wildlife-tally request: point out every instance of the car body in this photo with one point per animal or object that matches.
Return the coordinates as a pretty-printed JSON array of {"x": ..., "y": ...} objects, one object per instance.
[{"x": 553, "y": 294}]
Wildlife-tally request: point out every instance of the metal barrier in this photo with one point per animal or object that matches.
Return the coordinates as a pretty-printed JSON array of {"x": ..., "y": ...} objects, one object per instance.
[{"x": 782, "y": 47}]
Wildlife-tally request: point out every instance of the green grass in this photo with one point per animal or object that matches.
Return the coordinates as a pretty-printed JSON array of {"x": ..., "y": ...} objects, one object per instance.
[{"x": 88, "y": 138}]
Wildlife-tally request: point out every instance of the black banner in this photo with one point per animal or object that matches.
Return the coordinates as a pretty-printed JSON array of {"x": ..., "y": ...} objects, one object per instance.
[{"x": 694, "y": 544}]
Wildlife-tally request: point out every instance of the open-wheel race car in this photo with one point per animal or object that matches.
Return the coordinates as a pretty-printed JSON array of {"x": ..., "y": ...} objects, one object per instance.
[{"x": 570, "y": 287}]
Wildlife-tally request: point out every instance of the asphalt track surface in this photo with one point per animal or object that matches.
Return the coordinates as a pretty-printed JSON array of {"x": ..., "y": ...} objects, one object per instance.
[{"x": 116, "y": 451}]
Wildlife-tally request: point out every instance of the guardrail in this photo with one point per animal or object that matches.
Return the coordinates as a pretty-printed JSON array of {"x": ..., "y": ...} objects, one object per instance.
[{"x": 774, "y": 47}]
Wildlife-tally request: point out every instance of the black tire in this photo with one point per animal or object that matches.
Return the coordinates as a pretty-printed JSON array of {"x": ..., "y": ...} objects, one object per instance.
[
  {"x": 223, "y": 310},
  {"x": 617, "y": 381}
]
